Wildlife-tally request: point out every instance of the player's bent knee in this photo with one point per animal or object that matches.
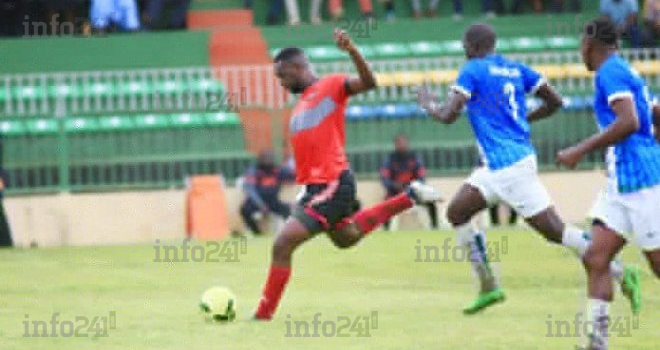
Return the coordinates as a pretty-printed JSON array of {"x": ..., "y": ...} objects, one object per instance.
[{"x": 456, "y": 215}]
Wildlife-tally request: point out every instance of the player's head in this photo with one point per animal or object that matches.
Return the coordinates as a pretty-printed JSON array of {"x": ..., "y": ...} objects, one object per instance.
[
  {"x": 599, "y": 38},
  {"x": 266, "y": 158},
  {"x": 479, "y": 40},
  {"x": 292, "y": 69},
  {"x": 400, "y": 143}
]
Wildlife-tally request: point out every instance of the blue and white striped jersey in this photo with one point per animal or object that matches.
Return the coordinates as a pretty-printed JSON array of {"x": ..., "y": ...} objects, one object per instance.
[
  {"x": 496, "y": 89},
  {"x": 633, "y": 163}
]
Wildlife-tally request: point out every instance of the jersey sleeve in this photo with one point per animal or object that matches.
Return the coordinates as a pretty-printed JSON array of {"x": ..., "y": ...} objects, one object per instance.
[
  {"x": 466, "y": 83},
  {"x": 614, "y": 85},
  {"x": 338, "y": 85},
  {"x": 532, "y": 80}
]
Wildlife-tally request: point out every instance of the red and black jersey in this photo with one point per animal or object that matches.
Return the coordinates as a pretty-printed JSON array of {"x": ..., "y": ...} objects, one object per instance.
[{"x": 317, "y": 129}]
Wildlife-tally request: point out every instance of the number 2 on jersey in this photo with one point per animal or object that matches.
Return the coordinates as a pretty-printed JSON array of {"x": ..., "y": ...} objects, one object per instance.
[{"x": 510, "y": 93}]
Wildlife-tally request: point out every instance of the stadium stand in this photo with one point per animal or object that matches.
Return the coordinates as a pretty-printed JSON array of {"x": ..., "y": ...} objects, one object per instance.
[{"x": 142, "y": 118}]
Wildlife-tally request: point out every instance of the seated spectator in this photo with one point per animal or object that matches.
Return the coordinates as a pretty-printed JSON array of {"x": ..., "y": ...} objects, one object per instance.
[
  {"x": 651, "y": 32},
  {"x": 154, "y": 11},
  {"x": 336, "y": 9},
  {"x": 432, "y": 10},
  {"x": 315, "y": 12},
  {"x": 263, "y": 182},
  {"x": 114, "y": 14},
  {"x": 13, "y": 15},
  {"x": 517, "y": 6},
  {"x": 558, "y": 6},
  {"x": 292, "y": 11},
  {"x": 486, "y": 5},
  {"x": 275, "y": 11},
  {"x": 62, "y": 11},
  {"x": 624, "y": 15},
  {"x": 400, "y": 169}
]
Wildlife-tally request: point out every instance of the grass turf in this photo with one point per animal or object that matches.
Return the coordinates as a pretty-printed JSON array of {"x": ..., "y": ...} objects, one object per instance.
[{"x": 418, "y": 303}]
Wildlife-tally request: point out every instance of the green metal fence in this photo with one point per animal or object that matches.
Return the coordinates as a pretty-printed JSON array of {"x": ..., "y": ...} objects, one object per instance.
[{"x": 95, "y": 131}]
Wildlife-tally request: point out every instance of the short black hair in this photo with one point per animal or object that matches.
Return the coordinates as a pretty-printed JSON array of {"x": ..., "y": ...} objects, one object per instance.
[
  {"x": 481, "y": 36},
  {"x": 603, "y": 30},
  {"x": 289, "y": 54}
]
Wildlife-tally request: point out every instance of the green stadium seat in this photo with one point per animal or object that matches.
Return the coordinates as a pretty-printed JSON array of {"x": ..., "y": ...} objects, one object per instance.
[
  {"x": 100, "y": 89},
  {"x": 12, "y": 127},
  {"x": 81, "y": 124},
  {"x": 222, "y": 118},
  {"x": 151, "y": 121},
  {"x": 186, "y": 119},
  {"x": 42, "y": 126},
  {"x": 27, "y": 92},
  {"x": 170, "y": 86},
  {"x": 504, "y": 46},
  {"x": 367, "y": 51},
  {"x": 426, "y": 48},
  {"x": 527, "y": 44},
  {"x": 3, "y": 94},
  {"x": 116, "y": 122},
  {"x": 562, "y": 43},
  {"x": 65, "y": 91},
  {"x": 452, "y": 47},
  {"x": 134, "y": 88},
  {"x": 324, "y": 53},
  {"x": 209, "y": 85},
  {"x": 392, "y": 50}
]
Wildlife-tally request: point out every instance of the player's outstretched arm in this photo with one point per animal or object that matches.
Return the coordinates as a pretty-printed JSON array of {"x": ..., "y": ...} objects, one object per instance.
[
  {"x": 551, "y": 103},
  {"x": 445, "y": 113},
  {"x": 366, "y": 79},
  {"x": 625, "y": 124}
]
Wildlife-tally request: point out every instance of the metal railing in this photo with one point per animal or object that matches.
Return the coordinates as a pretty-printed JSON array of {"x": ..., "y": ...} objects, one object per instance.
[{"x": 157, "y": 157}]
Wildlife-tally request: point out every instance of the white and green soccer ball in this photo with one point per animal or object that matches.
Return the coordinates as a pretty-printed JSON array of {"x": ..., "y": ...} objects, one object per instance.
[{"x": 219, "y": 304}]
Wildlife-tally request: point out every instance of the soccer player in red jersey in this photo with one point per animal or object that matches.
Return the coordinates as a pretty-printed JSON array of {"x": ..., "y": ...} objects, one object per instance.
[{"x": 328, "y": 201}]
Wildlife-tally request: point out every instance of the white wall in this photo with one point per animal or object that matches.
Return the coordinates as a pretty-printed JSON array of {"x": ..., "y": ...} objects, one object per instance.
[{"x": 143, "y": 217}]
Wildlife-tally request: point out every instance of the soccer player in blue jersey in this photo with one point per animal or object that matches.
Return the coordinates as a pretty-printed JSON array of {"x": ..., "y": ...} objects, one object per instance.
[
  {"x": 629, "y": 207},
  {"x": 493, "y": 88}
]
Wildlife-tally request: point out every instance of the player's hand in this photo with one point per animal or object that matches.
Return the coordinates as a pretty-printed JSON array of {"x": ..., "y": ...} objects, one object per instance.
[
  {"x": 569, "y": 157},
  {"x": 425, "y": 99},
  {"x": 343, "y": 40}
]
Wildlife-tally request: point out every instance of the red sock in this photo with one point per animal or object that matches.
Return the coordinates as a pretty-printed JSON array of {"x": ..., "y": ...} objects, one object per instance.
[
  {"x": 368, "y": 219},
  {"x": 278, "y": 276}
]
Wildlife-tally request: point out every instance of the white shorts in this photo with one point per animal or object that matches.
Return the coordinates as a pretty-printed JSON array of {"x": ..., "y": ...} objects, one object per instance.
[
  {"x": 634, "y": 216},
  {"x": 517, "y": 185}
]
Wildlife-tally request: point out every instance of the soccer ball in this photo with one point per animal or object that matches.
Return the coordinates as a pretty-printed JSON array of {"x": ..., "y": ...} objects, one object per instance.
[{"x": 219, "y": 304}]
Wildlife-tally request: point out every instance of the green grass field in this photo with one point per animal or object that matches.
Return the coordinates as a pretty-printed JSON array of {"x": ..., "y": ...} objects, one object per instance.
[{"x": 418, "y": 303}]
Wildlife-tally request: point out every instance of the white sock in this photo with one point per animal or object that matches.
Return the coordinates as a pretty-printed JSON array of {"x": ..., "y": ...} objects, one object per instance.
[
  {"x": 576, "y": 239},
  {"x": 598, "y": 322},
  {"x": 475, "y": 243},
  {"x": 579, "y": 240}
]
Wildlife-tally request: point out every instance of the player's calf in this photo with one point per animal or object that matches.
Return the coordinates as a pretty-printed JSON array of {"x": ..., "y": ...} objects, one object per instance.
[{"x": 292, "y": 235}]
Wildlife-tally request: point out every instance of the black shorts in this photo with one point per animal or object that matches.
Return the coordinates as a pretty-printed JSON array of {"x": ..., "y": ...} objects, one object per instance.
[{"x": 323, "y": 206}]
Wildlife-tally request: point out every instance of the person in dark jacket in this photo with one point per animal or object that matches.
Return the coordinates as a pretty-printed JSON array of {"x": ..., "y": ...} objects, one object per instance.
[
  {"x": 262, "y": 185},
  {"x": 401, "y": 168}
]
